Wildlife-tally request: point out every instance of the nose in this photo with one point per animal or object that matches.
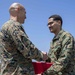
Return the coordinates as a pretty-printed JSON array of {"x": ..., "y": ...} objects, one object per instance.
[
  {"x": 49, "y": 25},
  {"x": 25, "y": 17}
]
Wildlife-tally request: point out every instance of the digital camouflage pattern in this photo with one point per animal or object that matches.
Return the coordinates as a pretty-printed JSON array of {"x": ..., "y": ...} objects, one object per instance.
[
  {"x": 62, "y": 55},
  {"x": 17, "y": 51}
]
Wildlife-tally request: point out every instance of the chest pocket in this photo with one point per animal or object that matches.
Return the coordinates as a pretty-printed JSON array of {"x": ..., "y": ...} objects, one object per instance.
[{"x": 57, "y": 48}]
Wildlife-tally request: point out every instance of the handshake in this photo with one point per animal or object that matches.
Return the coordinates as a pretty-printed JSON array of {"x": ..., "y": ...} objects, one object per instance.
[{"x": 45, "y": 57}]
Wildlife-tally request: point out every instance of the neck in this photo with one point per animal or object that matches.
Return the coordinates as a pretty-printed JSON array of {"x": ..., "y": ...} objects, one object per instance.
[
  {"x": 13, "y": 18},
  {"x": 56, "y": 33}
]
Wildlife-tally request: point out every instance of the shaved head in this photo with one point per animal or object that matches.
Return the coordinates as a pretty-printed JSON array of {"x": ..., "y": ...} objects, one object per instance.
[
  {"x": 15, "y": 5},
  {"x": 17, "y": 12}
]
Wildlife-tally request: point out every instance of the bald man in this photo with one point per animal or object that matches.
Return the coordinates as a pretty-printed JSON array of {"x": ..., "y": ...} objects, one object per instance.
[{"x": 17, "y": 50}]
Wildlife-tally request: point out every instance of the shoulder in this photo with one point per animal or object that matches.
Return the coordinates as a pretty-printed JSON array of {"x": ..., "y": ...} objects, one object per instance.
[
  {"x": 66, "y": 37},
  {"x": 12, "y": 24},
  {"x": 66, "y": 34},
  {"x": 5, "y": 25}
]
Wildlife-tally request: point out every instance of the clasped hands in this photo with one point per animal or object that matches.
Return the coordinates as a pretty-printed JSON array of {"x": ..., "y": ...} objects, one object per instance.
[{"x": 45, "y": 56}]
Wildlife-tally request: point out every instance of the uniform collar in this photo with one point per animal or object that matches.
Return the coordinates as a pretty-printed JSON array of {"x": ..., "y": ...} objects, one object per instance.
[{"x": 58, "y": 35}]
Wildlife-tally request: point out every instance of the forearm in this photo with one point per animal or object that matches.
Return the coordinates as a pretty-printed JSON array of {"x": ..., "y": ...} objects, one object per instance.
[
  {"x": 24, "y": 45},
  {"x": 34, "y": 53}
]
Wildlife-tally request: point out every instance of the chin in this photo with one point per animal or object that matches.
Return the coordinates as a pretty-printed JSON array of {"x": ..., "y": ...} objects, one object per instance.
[
  {"x": 22, "y": 22},
  {"x": 51, "y": 31}
]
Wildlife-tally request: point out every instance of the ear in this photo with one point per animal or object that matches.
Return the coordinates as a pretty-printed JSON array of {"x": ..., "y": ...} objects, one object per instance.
[
  {"x": 59, "y": 22},
  {"x": 16, "y": 9}
]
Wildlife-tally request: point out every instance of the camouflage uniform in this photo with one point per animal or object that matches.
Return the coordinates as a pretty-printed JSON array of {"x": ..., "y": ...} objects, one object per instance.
[
  {"x": 62, "y": 55},
  {"x": 17, "y": 50}
]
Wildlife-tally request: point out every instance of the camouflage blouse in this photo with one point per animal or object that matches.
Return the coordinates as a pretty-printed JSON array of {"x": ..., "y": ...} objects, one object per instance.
[
  {"x": 17, "y": 51},
  {"x": 62, "y": 55}
]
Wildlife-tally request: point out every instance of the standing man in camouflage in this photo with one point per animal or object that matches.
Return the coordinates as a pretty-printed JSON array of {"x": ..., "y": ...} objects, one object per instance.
[
  {"x": 17, "y": 50},
  {"x": 61, "y": 51}
]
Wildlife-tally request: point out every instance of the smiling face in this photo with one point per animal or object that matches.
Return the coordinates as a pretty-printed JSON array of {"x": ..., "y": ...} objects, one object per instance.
[{"x": 54, "y": 25}]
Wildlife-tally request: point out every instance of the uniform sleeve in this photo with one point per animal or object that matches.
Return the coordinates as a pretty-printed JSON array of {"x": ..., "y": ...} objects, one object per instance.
[
  {"x": 23, "y": 44},
  {"x": 64, "y": 58}
]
